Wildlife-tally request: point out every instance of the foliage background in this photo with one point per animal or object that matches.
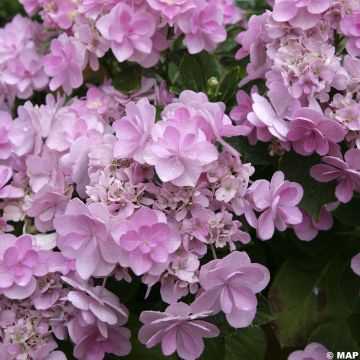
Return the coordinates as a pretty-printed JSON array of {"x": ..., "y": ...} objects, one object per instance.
[{"x": 313, "y": 294}]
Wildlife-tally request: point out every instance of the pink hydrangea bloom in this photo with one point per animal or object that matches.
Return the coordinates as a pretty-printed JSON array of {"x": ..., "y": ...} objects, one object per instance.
[
  {"x": 92, "y": 344},
  {"x": 96, "y": 45},
  {"x": 313, "y": 351},
  {"x": 26, "y": 132},
  {"x": 267, "y": 120},
  {"x": 346, "y": 171},
  {"x": 129, "y": 32},
  {"x": 310, "y": 131},
  {"x": 350, "y": 26},
  {"x": 83, "y": 234},
  {"x": 179, "y": 150},
  {"x": 303, "y": 14},
  {"x": 48, "y": 202},
  {"x": 65, "y": 63},
  {"x": 171, "y": 9},
  {"x": 134, "y": 130},
  {"x": 178, "y": 329},
  {"x": 251, "y": 41},
  {"x": 97, "y": 305},
  {"x": 203, "y": 27},
  {"x": 31, "y": 6},
  {"x": 26, "y": 73},
  {"x": 230, "y": 285},
  {"x": 277, "y": 200},
  {"x": 209, "y": 116},
  {"x": 8, "y": 191},
  {"x": 19, "y": 262},
  {"x": 5, "y": 126},
  {"x": 16, "y": 267},
  {"x": 146, "y": 242}
]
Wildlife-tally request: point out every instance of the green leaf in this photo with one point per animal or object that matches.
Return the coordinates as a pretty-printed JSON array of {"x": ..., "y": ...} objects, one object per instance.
[
  {"x": 303, "y": 298},
  {"x": 191, "y": 74},
  {"x": 229, "y": 85},
  {"x": 255, "y": 154},
  {"x": 316, "y": 195},
  {"x": 263, "y": 313},
  {"x": 349, "y": 214},
  {"x": 335, "y": 336},
  {"x": 210, "y": 66},
  {"x": 246, "y": 344},
  {"x": 214, "y": 349},
  {"x": 128, "y": 79}
]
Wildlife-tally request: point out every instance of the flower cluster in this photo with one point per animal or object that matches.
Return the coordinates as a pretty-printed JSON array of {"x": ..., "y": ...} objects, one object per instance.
[
  {"x": 102, "y": 187},
  {"x": 138, "y": 194},
  {"x": 312, "y": 91},
  {"x": 21, "y": 70},
  {"x": 136, "y": 32}
]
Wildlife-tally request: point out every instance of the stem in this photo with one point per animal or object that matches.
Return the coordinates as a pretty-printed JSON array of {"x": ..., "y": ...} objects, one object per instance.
[{"x": 212, "y": 247}]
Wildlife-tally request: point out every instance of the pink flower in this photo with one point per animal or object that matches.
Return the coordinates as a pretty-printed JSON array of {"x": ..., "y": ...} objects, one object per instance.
[
  {"x": 171, "y": 9},
  {"x": 355, "y": 264},
  {"x": 26, "y": 73},
  {"x": 350, "y": 26},
  {"x": 48, "y": 202},
  {"x": 347, "y": 173},
  {"x": 232, "y": 13},
  {"x": 299, "y": 13},
  {"x": 130, "y": 32},
  {"x": 203, "y": 27},
  {"x": 210, "y": 116},
  {"x": 251, "y": 41},
  {"x": 146, "y": 241},
  {"x": 278, "y": 202},
  {"x": 43, "y": 169},
  {"x": 83, "y": 235},
  {"x": 313, "y": 351},
  {"x": 133, "y": 130},
  {"x": 96, "y": 45},
  {"x": 5, "y": 125},
  {"x": 310, "y": 132},
  {"x": 65, "y": 63},
  {"x": 97, "y": 305},
  {"x": 309, "y": 227},
  {"x": 8, "y": 191},
  {"x": 92, "y": 344},
  {"x": 179, "y": 150},
  {"x": 267, "y": 120},
  {"x": 26, "y": 132},
  {"x": 240, "y": 112},
  {"x": 19, "y": 262},
  {"x": 177, "y": 330},
  {"x": 31, "y": 6},
  {"x": 230, "y": 285}
]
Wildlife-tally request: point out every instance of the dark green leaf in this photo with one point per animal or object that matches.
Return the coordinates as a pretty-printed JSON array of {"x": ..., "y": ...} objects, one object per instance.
[
  {"x": 246, "y": 344},
  {"x": 335, "y": 336},
  {"x": 210, "y": 66},
  {"x": 316, "y": 195},
  {"x": 229, "y": 85},
  {"x": 302, "y": 299},
  {"x": 263, "y": 313},
  {"x": 128, "y": 79},
  {"x": 191, "y": 74},
  {"x": 349, "y": 214},
  {"x": 214, "y": 349},
  {"x": 255, "y": 154}
]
